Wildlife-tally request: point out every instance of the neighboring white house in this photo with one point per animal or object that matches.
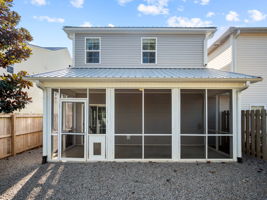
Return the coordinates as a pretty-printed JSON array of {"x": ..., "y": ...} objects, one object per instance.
[
  {"x": 141, "y": 94},
  {"x": 243, "y": 50},
  {"x": 43, "y": 59}
]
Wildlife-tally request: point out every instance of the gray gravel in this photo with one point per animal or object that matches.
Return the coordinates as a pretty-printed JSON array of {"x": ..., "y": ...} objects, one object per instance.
[{"x": 23, "y": 177}]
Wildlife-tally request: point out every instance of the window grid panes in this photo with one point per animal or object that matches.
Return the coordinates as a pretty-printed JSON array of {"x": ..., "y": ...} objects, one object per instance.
[
  {"x": 149, "y": 50},
  {"x": 93, "y": 50}
]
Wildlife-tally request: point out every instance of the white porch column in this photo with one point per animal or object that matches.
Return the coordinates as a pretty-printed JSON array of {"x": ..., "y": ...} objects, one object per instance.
[
  {"x": 239, "y": 136},
  {"x": 176, "y": 143},
  {"x": 45, "y": 123},
  {"x": 234, "y": 146},
  {"x": 110, "y": 107}
]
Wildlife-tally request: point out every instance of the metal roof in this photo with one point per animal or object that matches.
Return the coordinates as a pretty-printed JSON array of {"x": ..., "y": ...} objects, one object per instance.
[
  {"x": 143, "y": 73},
  {"x": 49, "y": 48}
]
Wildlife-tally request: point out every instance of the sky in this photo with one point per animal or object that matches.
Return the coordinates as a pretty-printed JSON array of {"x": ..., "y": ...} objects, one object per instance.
[{"x": 46, "y": 18}]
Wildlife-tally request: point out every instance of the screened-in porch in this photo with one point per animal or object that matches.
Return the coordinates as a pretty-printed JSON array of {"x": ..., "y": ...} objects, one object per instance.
[
  {"x": 141, "y": 124},
  {"x": 142, "y": 114}
]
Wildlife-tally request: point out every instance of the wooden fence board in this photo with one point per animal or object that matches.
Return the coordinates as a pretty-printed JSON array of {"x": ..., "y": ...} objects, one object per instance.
[
  {"x": 247, "y": 133},
  {"x": 254, "y": 133},
  {"x": 19, "y": 133},
  {"x": 264, "y": 136},
  {"x": 258, "y": 134}
]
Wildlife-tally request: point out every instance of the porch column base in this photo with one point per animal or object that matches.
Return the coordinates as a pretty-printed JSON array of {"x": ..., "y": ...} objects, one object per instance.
[
  {"x": 239, "y": 160},
  {"x": 44, "y": 159}
]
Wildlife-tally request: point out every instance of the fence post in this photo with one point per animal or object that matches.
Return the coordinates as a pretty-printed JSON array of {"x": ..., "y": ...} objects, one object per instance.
[
  {"x": 264, "y": 135},
  {"x": 248, "y": 139},
  {"x": 258, "y": 133},
  {"x": 13, "y": 134},
  {"x": 243, "y": 131}
]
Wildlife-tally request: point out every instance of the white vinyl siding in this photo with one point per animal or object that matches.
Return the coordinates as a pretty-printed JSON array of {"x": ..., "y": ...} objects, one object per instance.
[
  {"x": 221, "y": 57},
  {"x": 252, "y": 60},
  {"x": 123, "y": 50}
]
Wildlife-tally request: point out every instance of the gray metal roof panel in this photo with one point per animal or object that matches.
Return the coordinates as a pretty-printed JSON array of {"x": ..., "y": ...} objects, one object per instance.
[{"x": 146, "y": 73}]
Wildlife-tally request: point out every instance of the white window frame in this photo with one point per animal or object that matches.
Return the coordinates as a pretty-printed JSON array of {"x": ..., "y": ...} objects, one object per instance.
[
  {"x": 86, "y": 50},
  {"x": 156, "y": 50}
]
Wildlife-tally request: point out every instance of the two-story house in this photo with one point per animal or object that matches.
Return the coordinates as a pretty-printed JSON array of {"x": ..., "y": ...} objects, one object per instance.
[
  {"x": 141, "y": 94},
  {"x": 243, "y": 50}
]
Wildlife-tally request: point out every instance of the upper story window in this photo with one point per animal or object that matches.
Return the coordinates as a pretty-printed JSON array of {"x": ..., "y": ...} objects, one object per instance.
[
  {"x": 149, "y": 48},
  {"x": 93, "y": 50}
]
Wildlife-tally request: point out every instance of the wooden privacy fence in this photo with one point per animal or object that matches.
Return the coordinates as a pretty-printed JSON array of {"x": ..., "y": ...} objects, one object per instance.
[
  {"x": 254, "y": 134},
  {"x": 19, "y": 133}
]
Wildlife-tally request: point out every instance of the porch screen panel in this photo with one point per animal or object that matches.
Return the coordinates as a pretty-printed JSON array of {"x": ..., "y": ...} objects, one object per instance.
[
  {"x": 128, "y": 147},
  {"x": 193, "y": 147},
  {"x": 157, "y": 111},
  {"x": 73, "y": 114},
  {"x": 192, "y": 111},
  {"x": 193, "y": 133},
  {"x": 128, "y": 111},
  {"x": 128, "y": 124},
  {"x": 54, "y": 110},
  {"x": 219, "y": 112},
  {"x": 157, "y": 147},
  {"x": 72, "y": 146},
  {"x": 97, "y": 111},
  {"x": 220, "y": 137}
]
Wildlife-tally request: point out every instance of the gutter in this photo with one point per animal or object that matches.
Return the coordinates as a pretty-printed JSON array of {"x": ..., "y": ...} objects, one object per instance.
[
  {"x": 38, "y": 84},
  {"x": 134, "y": 79}
]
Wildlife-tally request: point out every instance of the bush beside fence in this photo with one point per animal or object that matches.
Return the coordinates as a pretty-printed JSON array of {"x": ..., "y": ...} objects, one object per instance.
[
  {"x": 19, "y": 133},
  {"x": 254, "y": 134}
]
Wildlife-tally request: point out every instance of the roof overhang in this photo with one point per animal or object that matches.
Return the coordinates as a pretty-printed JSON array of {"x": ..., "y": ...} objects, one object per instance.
[
  {"x": 53, "y": 79},
  {"x": 236, "y": 31},
  {"x": 71, "y": 30}
]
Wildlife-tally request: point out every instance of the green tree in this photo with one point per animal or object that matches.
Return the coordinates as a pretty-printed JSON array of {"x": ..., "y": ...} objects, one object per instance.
[{"x": 13, "y": 49}]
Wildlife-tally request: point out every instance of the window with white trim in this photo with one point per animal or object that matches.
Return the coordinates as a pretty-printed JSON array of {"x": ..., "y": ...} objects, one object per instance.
[
  {"x": 149, "y": 48},
  {"x": 92, "y": 50}
]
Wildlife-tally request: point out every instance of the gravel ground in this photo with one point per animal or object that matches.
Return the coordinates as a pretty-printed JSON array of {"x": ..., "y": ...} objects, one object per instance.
[{"x": 23, "y": 177}]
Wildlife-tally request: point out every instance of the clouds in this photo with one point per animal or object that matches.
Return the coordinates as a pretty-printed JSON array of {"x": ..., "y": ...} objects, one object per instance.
[
  {"x": 256, "y": 15},
  {"x": 77, "y": 3},
  {"x": 232, "y": 16},
  {"x": 154, "y": 7},
  {"x": 123, "y": 2},
  {"x": 111, "y": 25},
  {"x": 210, "y": 14},
  {"x": 202, "y": 2},
  {"x": 187, "y": 22},
  {"x": 49, "y": 19},
  {"x": 87, "y": 24},
  {"x": 253, "y": 16},
  {"x": 39, "y": 2}
]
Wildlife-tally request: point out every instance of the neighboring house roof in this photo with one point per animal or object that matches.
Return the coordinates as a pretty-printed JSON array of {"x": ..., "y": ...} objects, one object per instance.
[
  {"x": 235, "y": 30},
  {"x": 49, "y": 48},
  {"x": 145, "y": 73},
  {"x": 155, "y": 30}
]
